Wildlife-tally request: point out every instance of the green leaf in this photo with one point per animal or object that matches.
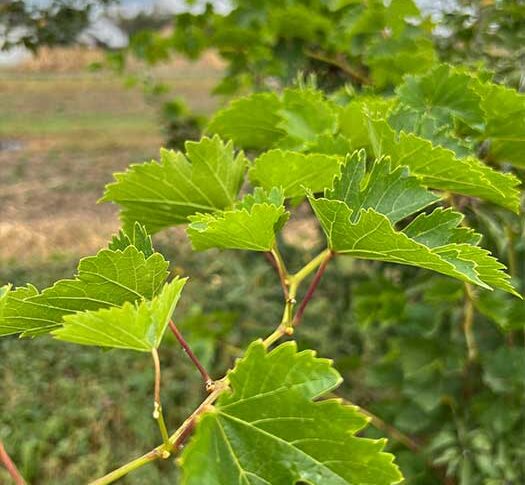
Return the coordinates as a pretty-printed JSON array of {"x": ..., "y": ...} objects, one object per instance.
[
  {"x": 441, "y": 227},
  {"x": 390, "y": 61},
  {"x": 137, "y": 237},
  {"x": 263, "y": 120},
  {"x": 294, "y": 171},
  {"x": 353, "y": 119},
  {"x": 505, "y": 127},
  {"x": 4, "y": 290},
  {"x": 250, "y": 226},
  {"x": 159, "y": 195},
  {"x": 135, "y": 326},
  {"x": 108, "y": 279},
  {"x": 389, "y": 191},
  {"x": 445, "y": 93},
  {"x": 251, "y": 122},
  {"x": 306, "y": 114},
  {"x": 366, "y": 230},
  {"x": 272, "y": 429},
  {"x": 439, "y": 168}
]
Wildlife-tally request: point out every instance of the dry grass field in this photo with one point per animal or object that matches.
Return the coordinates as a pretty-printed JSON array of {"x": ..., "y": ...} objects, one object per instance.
[{"x": 63, "y": 131}]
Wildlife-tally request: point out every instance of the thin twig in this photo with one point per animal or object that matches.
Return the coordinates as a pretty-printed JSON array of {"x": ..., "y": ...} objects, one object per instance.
[
  {"x": 277, "y": 262},
  {"x": 10, "y": 466},
  {"x": 312, "y": 288},
  {"x": 156, "y": 362},
  {"x": 208, "y": 382},
  {"x": 341, "y": 63},
  {"x": 392, "y": 431},
  {"x": 176, "y": 439},
  {"x": 157, "y": 409}
]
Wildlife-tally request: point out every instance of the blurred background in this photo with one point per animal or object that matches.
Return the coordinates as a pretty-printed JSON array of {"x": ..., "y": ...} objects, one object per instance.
[{"x": 86, "y": 88}]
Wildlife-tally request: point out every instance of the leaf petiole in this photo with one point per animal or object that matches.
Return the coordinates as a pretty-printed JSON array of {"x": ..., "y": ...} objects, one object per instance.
[
  {"x": 208, "y": 381},
  {"x": 157, "y": 406}
]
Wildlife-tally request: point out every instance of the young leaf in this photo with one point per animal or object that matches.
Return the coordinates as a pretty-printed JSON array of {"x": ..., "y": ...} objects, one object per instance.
[
  {"x": 251, "y": 122},
  {"x": 294, "y": 171},
  {"x": 250, "y": 226},
  {"x": 366, "y": 230},
  {"x": 272, "y": 429},
  {"x": 159, "y": 195},
  {"x": 108, "y": 279},
  {"x": 136, "y": 326},
  {"x": 137, "y": 237}
]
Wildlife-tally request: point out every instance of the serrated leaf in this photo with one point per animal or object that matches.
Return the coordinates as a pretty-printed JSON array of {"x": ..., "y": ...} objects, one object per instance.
[
  {"x": 108, "y": 279},
  {"x": 294, "y": 171},
  {"x": 136, "y": 326},
  {"x": 159, "y": 195},
  {"x": 439, "y": 168},
  {"x": 389, "y": 191},
  {"x": 269, "y": 429},
  {"x": 441, "y": 227},
  {"x": 137, "y": 236},
  {"x": 250, "y": 226},
  {"x": 364, "y": 232},
  {"x": 251, "y": 122},
  {"x": 445, "y": 93}
]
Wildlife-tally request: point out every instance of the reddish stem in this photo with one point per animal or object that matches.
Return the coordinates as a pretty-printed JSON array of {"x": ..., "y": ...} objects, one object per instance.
[
  {"x": 205, "y": 376},
  {"x": 179, "y": 442},
  {"x": 271, "y": 258},
  {"x": 10, "y": 466},
  {"x": 311, "y": 289}
]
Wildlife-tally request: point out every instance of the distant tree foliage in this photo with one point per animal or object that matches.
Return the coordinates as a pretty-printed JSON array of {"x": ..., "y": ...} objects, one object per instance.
[{"x": 58, "y": 23}]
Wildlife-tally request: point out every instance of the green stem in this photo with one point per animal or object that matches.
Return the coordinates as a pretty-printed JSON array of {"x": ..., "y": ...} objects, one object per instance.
[
  {"x": 175, "y": 440},
  {"x": 288, "y": 321},
  {"x": 311, "y": 289},
  {"x": 129, "y": 467},
  {"x": 310, "y": 267},
  {"x": 157, "y": 406}
]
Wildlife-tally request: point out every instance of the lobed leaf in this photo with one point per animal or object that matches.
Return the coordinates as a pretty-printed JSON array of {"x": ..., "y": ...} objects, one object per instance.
[
  {"x": 294, "y": 171},
  {"x": 137, "y": 237},
  {"x": 250, "y": 226},
  {"x": 439, "y": 168},
  {"x": 136, "y": 326},
  {"x": 158, "y": 195},
  {"x": 251, "y": 122},
  {"x": 445, "y": 93},
  {"x": 366, "y": 230},
  {"x": 269, "y": 429},
  {"x": 109, "y": 279}
]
